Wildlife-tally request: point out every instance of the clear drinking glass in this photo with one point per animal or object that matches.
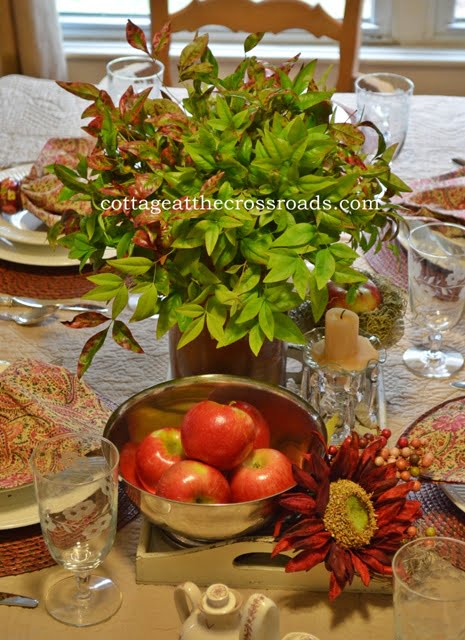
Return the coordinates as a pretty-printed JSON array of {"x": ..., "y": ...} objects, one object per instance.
[
  {"x": 384, "y": 99},
  {"x": 139, "y": 71},
  {"x": 436, "y": 274},
  {"x": 76, "y": 484},
  {"x": 429, "y": 589}
]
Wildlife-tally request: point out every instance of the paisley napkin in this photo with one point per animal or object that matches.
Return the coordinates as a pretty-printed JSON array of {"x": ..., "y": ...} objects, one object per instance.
[
  {"x": 39, "y": 191},
  {"x": 37, "y": 401},
  {"x": 440, "y": 197}
]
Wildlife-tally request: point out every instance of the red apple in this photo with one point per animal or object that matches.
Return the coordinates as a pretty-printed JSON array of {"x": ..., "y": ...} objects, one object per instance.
[
  {"x": 194, "y": 481},
  {"x": 262, "y": 429},
  {"x": 127, "y": 463},
  {"x": 367, "y": 297},
  {"x": 217, "y": 434},
  {"x": 158, "y": 451},
  {"x": 263, "y": 473}
]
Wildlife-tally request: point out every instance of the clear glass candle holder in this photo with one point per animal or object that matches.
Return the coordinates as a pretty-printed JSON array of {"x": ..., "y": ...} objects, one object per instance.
[{"x": 338, "y": 394}]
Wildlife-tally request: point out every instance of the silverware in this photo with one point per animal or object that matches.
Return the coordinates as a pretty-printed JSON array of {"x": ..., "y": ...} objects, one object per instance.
[
  {"x": 458, "y": 384},
  {"x": 10, "y": 301},
  {"x": 14, "y": 600},
  {"x": 28, "y": 315},
  {"x": 459, "y": 161}
]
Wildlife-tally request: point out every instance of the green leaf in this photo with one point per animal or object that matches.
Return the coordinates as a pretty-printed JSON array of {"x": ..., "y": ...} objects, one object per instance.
[
  {"x": 252, "y": 40},
  {"x": 120, "y": 301},
  {"x": 136, "y": 37},
  {"x": 285, "y": 329},
  {"x": 89, "y": 350},
  {"x": 110, "y": 279},
  {"x": 83, "y": 90},
  {"x": 256, "y": 339},
  {"x": 191, "y": 310},
  {"x": 124, "y": 338},
  {"x": 193, "y": 51},
  {"x": 324, "y": 267},
  {"x": 192, "y": 332},
  {"x": 297, "y": 235},
  {"x": 147, "y": 304},
  {"x": 318, "y": 297},
  {"x": 343, "y": 251},
  {"x": 304, "y": 76},
  {"x": 301, "y": 278},
  {"x": 248, "y": 280},
  {"x": 266, "y": 321},
  {"x": 211, "y": 237},
  {"x": 70, "y": 179},
  {"x": 250, "y": 309},
  {"x": 132, "y": 266},
  {"x": 282, "y": 267}
]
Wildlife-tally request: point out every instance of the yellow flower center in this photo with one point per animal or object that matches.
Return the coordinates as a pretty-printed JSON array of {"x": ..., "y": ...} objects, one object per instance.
[{"x": 349, "y": 517}]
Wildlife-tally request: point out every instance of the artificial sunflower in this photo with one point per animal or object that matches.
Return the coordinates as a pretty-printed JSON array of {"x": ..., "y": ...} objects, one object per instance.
[{"x": 347, "y": 512}]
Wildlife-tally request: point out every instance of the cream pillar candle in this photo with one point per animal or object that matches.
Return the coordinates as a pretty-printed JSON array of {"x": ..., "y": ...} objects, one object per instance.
[
  {"x": 342, "y": 346},
  {"x": 341, "y": 334}
]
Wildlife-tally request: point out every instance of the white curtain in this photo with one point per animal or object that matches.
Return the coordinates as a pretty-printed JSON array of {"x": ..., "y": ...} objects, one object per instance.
[{"x": 30, "y": 39}]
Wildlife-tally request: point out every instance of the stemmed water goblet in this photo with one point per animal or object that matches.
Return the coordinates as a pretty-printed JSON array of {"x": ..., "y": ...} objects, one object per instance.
[
  {"x": 76, "y": 484},
  {"x": 436, "y": 275},
  {"x": 384, "y": 100}
]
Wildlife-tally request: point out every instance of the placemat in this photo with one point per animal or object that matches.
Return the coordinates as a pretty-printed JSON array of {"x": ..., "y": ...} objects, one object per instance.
[
  {"x": 23, "y": 550},
  {"x": 388, "y": 264},
  {"x": 43, "y": 282}
]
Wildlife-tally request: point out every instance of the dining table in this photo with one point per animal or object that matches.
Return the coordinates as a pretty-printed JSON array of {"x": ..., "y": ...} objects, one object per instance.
[{"x": 35, "y": 110}]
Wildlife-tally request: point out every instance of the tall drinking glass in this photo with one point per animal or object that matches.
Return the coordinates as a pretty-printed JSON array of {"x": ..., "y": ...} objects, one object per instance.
[
  {"x": 140, "y": 72},
  {"x": 429, "y": 589},
  {"x": 436, "y": 275},
  {"x": 76, "y": 484},
  {"x": 384, "y": 99}
]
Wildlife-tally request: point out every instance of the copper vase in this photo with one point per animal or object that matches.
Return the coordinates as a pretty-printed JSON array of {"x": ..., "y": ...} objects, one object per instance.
[{"x": 202, "y": 356}]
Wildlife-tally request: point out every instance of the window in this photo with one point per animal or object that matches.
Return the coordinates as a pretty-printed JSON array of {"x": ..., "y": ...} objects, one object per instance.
[{"x": 425, "y": 22}]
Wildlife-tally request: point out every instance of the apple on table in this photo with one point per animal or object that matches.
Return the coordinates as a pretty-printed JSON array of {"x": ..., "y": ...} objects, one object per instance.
[{"x": 367, "y": 297}]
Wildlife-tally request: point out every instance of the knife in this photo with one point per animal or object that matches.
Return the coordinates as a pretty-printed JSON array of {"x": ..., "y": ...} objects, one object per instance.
[
  {"x": 14, "y": 600},
  {"x": 460, "y": 161},
  {"x": 10, "y": 301}
]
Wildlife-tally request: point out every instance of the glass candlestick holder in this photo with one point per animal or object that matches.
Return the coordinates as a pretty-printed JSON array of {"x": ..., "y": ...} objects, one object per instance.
[{"x": 342, "y": 397}]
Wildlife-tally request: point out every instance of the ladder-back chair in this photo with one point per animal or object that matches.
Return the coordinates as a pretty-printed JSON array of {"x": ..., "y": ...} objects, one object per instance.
[{"x": 269, "y": 16}]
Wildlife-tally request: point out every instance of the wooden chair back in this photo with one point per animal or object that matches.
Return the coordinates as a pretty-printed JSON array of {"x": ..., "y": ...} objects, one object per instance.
[{"x": 270, "y": 16}]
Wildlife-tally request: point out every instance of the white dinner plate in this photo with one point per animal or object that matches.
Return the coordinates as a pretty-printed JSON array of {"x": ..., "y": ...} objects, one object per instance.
[
  {"x": 456, "y": 493},
  {"x": 35, "y": 255},
  {"x": 22, "y": 226},
  {"x": 18, "y": 508}
]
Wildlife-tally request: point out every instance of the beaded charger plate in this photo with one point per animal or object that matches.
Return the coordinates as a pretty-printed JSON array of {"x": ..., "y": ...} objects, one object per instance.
[{"x": 443, "y": 497}]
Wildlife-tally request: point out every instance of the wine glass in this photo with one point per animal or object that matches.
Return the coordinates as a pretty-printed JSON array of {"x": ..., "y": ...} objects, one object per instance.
[
  {"x": 384, "y": 99},
  {"x": 76, "y": 485},
  {"x": 436, "y": 274}
]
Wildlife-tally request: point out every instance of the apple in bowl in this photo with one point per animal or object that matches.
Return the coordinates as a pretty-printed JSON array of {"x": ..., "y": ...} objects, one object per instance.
[
  {"x": 264, "y": 473},
  {"x": 290, "y": 419}
]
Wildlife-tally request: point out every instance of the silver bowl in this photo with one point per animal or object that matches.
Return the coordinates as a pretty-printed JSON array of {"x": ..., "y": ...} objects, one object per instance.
[{"x": 291, "y": 420}]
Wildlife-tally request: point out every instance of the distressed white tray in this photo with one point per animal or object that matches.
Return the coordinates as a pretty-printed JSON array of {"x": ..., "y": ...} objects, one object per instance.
[{"x": 241, "y": 563}]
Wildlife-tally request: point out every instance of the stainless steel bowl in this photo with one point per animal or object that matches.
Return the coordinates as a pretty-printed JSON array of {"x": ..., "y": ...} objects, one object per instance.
[{"x": 291, "y": 421}]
